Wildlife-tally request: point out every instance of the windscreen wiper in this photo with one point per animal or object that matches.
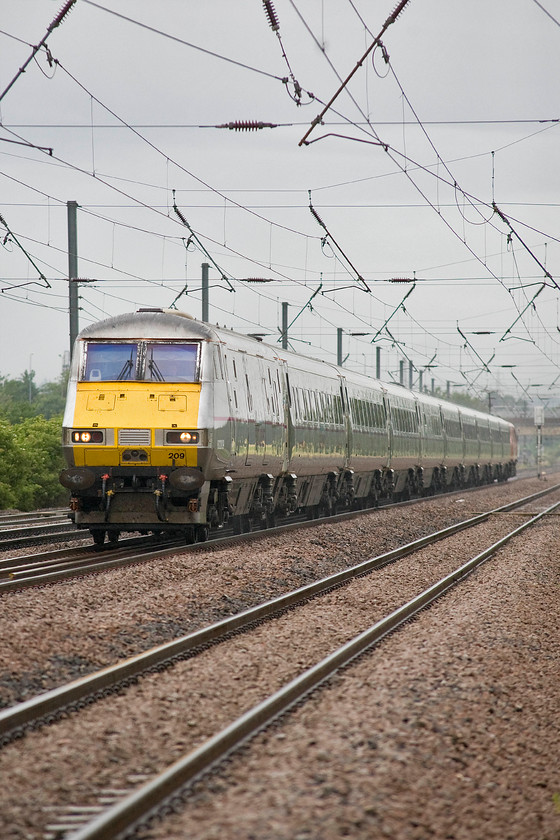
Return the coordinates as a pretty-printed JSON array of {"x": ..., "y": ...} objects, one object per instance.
[
  {"x": 126, "y": 368},
  {"x": 154, "y": 369}
]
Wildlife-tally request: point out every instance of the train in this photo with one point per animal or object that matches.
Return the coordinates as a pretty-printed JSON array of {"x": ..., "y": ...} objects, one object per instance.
[{"x": 174, "y": 426}]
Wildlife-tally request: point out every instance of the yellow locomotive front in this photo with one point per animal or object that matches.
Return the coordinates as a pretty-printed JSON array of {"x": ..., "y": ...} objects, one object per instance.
[{"x": 132, "y": 440}]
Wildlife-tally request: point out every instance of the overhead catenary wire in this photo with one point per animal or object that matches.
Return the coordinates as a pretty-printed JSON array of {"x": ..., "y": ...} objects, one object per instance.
[
  {"x": 53, "y": 25},
  {"x": 12, "y": 237},
  {"x": 274, "y": 24},
  {"x": 166, "y": 156},
  {"x": 540, "y": 5},
  {"x": 151, "y": 208},
  {"x": 183, "y": 42},
  {"x": 331, "y": 238},
  {"x": 390, "y": 20},
  {"x": 287, "y": 280},
  {"x": 404, "y": 169}
]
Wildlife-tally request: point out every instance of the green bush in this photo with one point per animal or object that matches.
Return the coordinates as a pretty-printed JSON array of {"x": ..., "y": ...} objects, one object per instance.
[{"x": 30, "y": 461}]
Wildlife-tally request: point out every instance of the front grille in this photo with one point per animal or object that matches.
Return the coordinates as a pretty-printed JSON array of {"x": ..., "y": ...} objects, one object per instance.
[{"x": 134, "y": 437}]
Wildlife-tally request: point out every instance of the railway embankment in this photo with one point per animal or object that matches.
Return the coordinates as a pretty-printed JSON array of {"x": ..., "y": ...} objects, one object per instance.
[{"x": 448, "y": 729}]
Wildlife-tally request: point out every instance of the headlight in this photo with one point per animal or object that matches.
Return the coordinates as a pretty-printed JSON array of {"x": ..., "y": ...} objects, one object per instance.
[
  {"x": 182, "y": 437},
  {"x": 92, "y": 436}
]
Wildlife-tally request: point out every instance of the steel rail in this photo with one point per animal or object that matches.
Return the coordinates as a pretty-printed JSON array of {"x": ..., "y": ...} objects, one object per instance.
[
  {"x": 137, "y": 808},
  {"x": 23, "y": 581},
  {"x": 30, "y": 528},
  {"x": 45, "y": 707},
  {"x": 27, "y": 565},
  {"x": 32, "y": 516},
  {"x": 10, "y": 564},
  {"x": 42, "y": 533}
]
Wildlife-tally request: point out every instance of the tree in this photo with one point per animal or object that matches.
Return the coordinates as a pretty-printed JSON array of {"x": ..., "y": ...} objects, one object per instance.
[
  {"x": 51, "y": 397},
  {"x": 30, "y": 461},
  {"x": 21, "y": 398},
  {"x": 11, "y": 465},
  {"x": 38, "y": 440}
]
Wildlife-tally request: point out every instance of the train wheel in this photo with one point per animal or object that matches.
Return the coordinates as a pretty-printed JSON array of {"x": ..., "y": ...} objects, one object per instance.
[
  {"x": 113, "y": 536},
  {"x": 190, "y": 535},
  {"x": 202, "y": 533},
  {"x": 98, "y": 536}
]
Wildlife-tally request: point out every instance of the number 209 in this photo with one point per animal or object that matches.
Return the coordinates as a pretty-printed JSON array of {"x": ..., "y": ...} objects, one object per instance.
[{"x": 176, "y": 456}]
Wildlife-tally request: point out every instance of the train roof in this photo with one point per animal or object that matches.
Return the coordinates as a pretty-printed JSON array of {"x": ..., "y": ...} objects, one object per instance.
[
  {"x": 149, "y": 323},
  {"x": 171, "y": 324}
]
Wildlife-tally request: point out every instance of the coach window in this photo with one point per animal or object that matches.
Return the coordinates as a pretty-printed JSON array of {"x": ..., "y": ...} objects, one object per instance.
[
  {"x": 249, "y": 395},
  {"x": 338, "y": 410},
  {"x": 322, "y": 411},
  {"x": 307, "y": 403},
  {"x": 313, "y": 396},
  {"x": 329, "y": 414}
]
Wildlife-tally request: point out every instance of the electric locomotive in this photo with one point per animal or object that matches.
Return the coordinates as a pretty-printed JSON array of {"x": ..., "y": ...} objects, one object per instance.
[{"x": 172, "y": 425}]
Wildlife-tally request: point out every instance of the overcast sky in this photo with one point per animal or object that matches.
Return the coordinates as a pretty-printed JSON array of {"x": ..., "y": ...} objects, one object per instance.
[{"x": 458, "y": 111}]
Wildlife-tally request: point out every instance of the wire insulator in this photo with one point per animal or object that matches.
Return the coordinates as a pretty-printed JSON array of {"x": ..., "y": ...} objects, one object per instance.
[
  {"x": 271, "y": 15},
  {"x": 61, "y": 15},
  {"x": 317, "y": 217},
  {"x": 398, "y": 10},
  {"x": 247, "y": 125},
  {"x": 257, "y": 280}
]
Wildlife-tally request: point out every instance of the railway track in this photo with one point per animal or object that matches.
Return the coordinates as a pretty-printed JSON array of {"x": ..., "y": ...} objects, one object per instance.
[
  {"x": 167, "y": 785},
  {"x": 66, "y": 563},
  {"x": 39, "y": 526},
  {"x": 28, "y": 517}
]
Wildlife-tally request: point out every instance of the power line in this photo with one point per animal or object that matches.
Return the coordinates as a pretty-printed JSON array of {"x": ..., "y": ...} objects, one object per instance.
[
  {"x": 291, "y": 124},
  {"x": 390, "y": 20},
  {"x": 166, "y": 157},
  {"x": 53, "y": 25},
  {"x": 184, "y": 43},
  {"x": 546, "y": 12}
]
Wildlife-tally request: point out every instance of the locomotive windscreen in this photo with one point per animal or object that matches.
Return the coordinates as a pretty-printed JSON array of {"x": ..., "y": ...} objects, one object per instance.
[
  {"x": 140, "y": 360},
  {"x": 171, "y": 362}
]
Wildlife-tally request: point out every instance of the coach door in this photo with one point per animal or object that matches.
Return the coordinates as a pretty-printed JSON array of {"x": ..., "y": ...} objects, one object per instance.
[
  {"x": 288, "y": 413},
  {"x": 248, "y": 379},
  {"x": 265, "y": 413},
  {"x": 232, "y": 398},
  {"x": 389, "y": 419},
  {"x": 349, "y": 435},
  {"x": 255, "y": 410}
]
